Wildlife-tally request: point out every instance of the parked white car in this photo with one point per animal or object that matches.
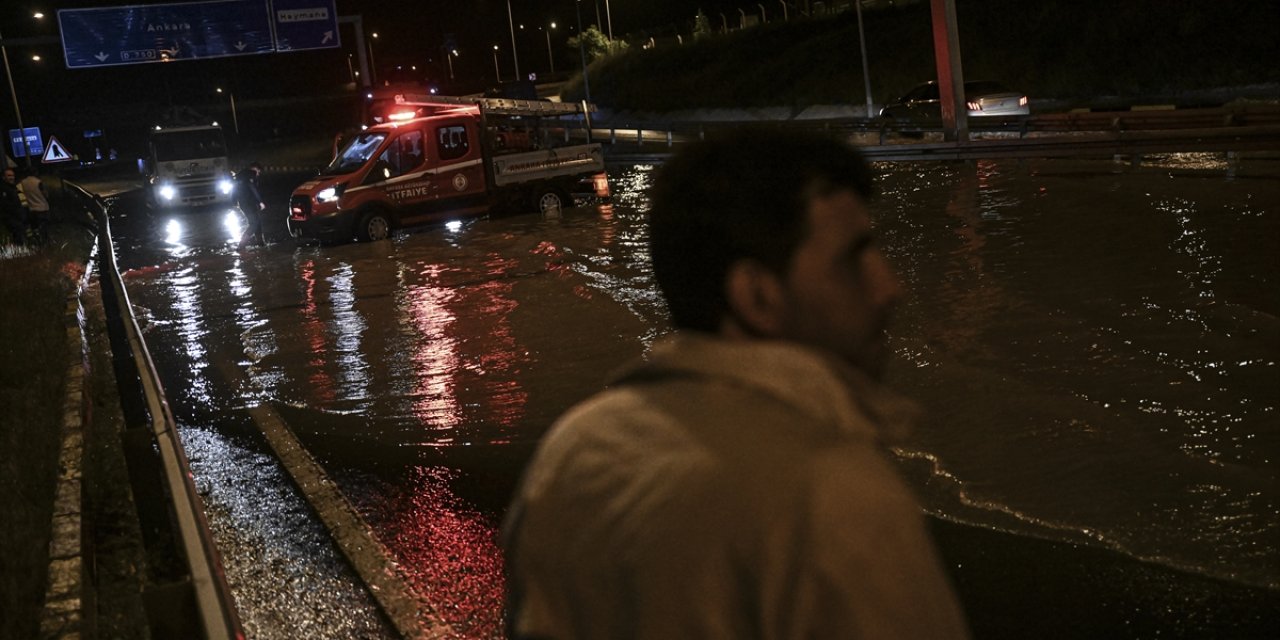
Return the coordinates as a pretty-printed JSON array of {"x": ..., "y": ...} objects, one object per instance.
[{"x": 984, "y": 99}]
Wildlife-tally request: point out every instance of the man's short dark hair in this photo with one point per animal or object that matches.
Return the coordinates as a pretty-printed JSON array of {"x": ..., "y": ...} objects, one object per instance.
[{"x": 739, "y": 194}]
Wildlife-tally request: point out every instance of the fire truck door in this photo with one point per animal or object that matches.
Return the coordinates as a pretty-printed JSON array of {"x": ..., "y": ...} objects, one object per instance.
[
  {"x": 460, "y": 173},
  {"x": 401, "y": 170}
]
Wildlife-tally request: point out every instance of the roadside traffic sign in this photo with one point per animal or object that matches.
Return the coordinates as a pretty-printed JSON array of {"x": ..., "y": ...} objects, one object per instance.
[
  {"x": 304, "y": 24},
  {"x": 34, "y": 143},
  {"x": 56, "y": 152},
  {"x": 110, "y": 36}
]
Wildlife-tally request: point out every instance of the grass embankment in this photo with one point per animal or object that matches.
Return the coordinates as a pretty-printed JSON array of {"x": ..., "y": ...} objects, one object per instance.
[
  {"x": 1072, "y": 51},
  {"x": 34, "y": 285}
]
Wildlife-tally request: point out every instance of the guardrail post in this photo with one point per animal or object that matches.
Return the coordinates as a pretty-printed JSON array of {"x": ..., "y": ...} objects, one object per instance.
[
  {"x": 668, "y": 139},
  {"x": 613, "y": 136},
  {"x": 639, "y": 137}
]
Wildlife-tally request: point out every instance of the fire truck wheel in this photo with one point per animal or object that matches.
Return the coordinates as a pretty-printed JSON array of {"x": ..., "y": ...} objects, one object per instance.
[
  {"x": 550, "y": 201},
  {"x": 374, "y": 225}
]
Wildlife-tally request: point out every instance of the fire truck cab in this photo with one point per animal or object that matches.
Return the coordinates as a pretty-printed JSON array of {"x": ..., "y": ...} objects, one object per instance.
[{"x": 443, "y": 158}]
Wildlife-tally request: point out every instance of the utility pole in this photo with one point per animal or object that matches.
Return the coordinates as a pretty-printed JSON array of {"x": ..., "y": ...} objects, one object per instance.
[
  {"x": 946, "y": 52},
  {"x": 582, "y": 52},
  {"x": 862, "y": 42}
]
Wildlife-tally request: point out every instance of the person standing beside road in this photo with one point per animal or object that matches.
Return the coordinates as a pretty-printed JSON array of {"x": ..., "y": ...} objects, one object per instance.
[
  {"x": 31, "y": 189},
  {"x": 249, "y": 199},
  {"x": 12, "y": 208},
  {"x": 735, "y": 484}
]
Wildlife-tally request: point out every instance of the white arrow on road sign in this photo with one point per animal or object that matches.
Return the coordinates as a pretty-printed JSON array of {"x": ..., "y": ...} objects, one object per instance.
[
  {"x": 55, "y": 152},
  {"x": 328, "y": 35},
  {"x": 240, "y": 46},
  {"x": 102, "y": 57}
]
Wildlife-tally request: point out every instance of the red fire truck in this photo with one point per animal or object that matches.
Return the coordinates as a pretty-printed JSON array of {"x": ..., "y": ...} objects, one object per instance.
[{"x": 441, "y": 158}]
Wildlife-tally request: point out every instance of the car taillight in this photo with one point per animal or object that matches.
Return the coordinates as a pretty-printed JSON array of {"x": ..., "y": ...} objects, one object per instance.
[
  {"x": 1022, "y": 102},
  {"x": 600, "y": 182}
]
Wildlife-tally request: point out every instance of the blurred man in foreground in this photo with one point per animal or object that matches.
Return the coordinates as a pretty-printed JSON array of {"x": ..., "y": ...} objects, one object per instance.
[{"x": 735, "y": 485}]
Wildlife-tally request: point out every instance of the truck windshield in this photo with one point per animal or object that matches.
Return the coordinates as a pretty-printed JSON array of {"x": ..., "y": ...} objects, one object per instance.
[
  {"x": 188, "y": 145},
  {"x": 355, "y": 154}
]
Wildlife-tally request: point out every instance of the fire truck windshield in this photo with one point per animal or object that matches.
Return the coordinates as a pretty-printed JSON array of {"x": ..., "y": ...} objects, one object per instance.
[{"x": 355, "y": 154}]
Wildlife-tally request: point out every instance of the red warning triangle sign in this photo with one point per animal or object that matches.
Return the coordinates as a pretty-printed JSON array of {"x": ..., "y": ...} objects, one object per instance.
[{"x": 55, "y": 152}]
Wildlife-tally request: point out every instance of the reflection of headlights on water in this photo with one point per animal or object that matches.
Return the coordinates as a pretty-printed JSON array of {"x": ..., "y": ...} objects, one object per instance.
[
  {"x": 225, "y": 186},
  {"x": 168, "y": 192},
  {"x": 232, "y": 223},
  {"x": 173, "y": 232}
]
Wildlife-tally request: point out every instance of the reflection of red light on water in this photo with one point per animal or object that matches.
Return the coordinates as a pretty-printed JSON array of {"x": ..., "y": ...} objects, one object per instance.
[
  {"x": 475, "y": 354},
  {"x": 435, "y": 400},
  {"x": 449, "y": 552},
  {"x": 321, "y": 382}
]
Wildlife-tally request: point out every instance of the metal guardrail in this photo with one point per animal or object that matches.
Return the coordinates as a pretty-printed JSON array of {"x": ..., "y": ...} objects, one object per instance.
[
  {"x": 186, "y": 593},
  {"x": 1252, "y": 115},
  {"x": 1244, "y": 128}
]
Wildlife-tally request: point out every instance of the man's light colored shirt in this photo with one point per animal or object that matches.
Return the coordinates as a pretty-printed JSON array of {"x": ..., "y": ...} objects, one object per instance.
[{"x": 725, "y": 490}]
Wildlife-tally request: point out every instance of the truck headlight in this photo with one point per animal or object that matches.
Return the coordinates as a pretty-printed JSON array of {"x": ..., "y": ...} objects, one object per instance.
[
  {"x": 331, "y": 194},
  {"x": 225, "y": 186},
  {"x": 168, "y": 192}
]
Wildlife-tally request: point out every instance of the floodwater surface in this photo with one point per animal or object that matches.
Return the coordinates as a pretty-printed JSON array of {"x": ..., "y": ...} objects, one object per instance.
[{"x": 1095, "y": 345}]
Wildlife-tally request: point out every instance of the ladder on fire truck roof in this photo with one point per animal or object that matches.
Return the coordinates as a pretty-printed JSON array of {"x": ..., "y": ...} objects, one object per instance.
[{"x": 498, "y": 106}]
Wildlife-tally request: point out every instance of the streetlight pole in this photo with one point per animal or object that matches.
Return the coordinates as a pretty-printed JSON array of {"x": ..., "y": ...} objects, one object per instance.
[
  {"x": 862, "y": 42},
  {"x": 496, "y": 72},
  {"x": 515, "y": 54},
  {"x": 449, "y": 56},
  {"x": 373, "y": 66},
  {"x": 609, "y": 18},
  {"x": 582, "y": 52},
  {"x": 235, "y": 122},
  {"x": 17, "y": 111},
  {"x": 551, "y": 58}
]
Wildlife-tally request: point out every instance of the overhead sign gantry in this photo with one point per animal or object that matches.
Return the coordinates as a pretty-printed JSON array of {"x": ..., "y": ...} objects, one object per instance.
[{"x": 110, "y": 36}]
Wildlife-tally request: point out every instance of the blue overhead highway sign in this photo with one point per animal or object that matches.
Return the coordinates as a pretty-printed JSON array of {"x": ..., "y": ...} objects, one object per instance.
[
  {"x": 111, "y": 36},
  {"x": 304, "y": 24}
]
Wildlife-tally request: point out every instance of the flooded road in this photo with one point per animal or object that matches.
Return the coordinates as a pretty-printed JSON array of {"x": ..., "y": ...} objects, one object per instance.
[{"x": 1096, "y": 345}]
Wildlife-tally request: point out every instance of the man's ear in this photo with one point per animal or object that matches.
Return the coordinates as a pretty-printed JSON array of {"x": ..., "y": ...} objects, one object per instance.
[{"x": 757, "y": 299}]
